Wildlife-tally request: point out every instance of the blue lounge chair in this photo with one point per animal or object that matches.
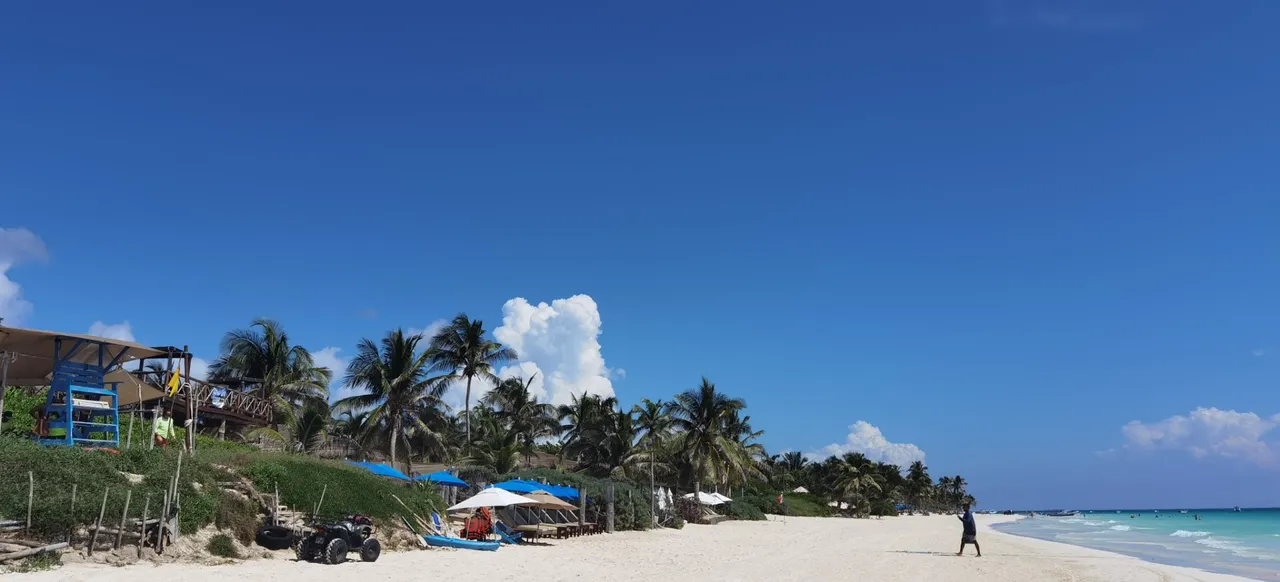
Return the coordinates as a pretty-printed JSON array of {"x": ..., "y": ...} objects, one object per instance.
[{"x": 508, "y": 535}]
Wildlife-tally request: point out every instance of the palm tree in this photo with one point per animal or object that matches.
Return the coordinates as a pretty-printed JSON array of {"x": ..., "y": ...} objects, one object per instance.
[
  {"x": 918, "y": 482},
  {"x": 497, "y": 449},
  {"x": 304, "y": 429},
  {"x": 583, "y": 416},
  {"x": 396, "y": 383},
  {"x": 521, "y": 412},
  {"x": 853, "y": 476},
  {"x": 282, "y": 374},
  {"x": 653, "y": 419},
  {"x": 700, "y": 415},
  {"x": 747, "y": 456},
  {"x": 461, "y": 348}
]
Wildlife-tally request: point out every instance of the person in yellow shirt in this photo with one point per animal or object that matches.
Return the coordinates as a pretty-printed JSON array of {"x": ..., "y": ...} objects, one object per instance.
[{"x": 164, "y": 429}]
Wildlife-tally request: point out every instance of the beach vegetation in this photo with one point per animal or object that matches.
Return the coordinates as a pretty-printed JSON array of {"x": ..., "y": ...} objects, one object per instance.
[{"x": 222, "y": 546}]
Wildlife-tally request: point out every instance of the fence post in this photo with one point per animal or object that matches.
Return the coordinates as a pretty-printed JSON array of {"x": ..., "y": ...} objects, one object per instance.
[{"x": 608, "y": 507}]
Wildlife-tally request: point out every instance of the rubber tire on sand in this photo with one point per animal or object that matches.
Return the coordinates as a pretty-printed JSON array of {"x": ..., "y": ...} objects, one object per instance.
[
  {"x": 370, "y": 550},
  {"x": 336, "y": 551},
  {"x": 274, "y": 537}
]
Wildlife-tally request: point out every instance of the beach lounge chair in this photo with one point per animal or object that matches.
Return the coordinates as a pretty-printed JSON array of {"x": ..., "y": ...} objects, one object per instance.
[{"x": 506, "y": 534}]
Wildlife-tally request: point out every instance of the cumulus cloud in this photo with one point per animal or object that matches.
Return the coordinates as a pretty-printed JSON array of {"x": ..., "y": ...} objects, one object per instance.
[
  {"x": 561, "y": 342},
  {"x": 328, "y": 357},
  {"x": 427, "y": 332},
  {"x": 1208, "y": 432},
  {"x": 117, "y": 331},
  {"x": 17, "y": 245},
  {"x": 867, "y": 439}
]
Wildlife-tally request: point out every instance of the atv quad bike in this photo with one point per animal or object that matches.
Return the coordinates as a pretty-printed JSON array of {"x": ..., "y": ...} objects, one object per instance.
[{"x": 330, "y": 542}]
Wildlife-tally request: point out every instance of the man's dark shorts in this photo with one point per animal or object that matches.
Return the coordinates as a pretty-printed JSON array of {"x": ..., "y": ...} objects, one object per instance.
[{"x": 969, "y": 538}]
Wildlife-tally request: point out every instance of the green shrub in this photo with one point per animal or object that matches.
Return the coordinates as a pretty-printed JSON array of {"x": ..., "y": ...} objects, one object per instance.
[
  {"x": 678, "y": 522},
  {"x": 883, "y": 508},
  {"x": 221, "y": 545},
  {"x": 39, "y": 563},
  {"x": 741, "y": 510},
  {"x": 346, "y": 489},
  {"x": 238, "y": 516}
]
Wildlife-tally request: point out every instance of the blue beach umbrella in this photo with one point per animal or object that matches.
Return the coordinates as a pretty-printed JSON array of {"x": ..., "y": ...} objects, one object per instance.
[
  {"x": 380, "y": 470},
  {"x": 444, "y": 478}
]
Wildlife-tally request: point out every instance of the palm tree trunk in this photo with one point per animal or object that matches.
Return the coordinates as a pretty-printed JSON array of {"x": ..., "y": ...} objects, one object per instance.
[
  {"x": 653, "y": 501},
  {"x": 466, "y": 414},
  {"x": 395, "y": 435}
]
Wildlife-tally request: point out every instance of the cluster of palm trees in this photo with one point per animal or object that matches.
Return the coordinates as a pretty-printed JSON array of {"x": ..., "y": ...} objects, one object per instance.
[
  {"x": 700, "y": 439},
  {"x": 398, "y": 408},
  {"x": 867, "y": 486}
]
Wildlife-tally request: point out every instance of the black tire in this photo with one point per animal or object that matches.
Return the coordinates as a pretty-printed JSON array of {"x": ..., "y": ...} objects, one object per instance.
[
  {"x": 274, "y": 537},
  {"x": 336, "y": 551},
  {"x": 370, "y": 550},
  {"x": 304, "y": 554}
]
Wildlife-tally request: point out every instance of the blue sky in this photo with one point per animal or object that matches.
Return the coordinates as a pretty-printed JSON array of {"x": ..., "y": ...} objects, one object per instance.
[{"x": 995, "y": 230}]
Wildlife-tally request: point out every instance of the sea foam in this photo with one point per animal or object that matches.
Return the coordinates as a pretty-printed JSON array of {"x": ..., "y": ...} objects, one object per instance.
[
  {"x": 1182, "y": 533},
  {"x": 1119, "y": 528}
]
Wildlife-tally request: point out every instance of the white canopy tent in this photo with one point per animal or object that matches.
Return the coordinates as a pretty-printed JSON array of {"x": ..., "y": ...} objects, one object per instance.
[
  {"x": 799, "y": 490},
  {"x": 493, "y": 497},
  {"x": 717, "y": 495},
  {"x": 705, "y": 498}
]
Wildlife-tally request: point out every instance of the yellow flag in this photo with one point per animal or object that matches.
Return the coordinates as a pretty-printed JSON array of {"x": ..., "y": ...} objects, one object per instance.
[{"x": 173, "y": 384}]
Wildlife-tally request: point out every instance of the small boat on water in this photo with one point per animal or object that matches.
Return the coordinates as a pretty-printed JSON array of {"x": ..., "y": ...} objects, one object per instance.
[
  {"x": 1237, "y": 509},
  {"x": 1182, "y": 511},
  {"x": 1062, "y": 513},
  {"x": 446, "y": 542}
]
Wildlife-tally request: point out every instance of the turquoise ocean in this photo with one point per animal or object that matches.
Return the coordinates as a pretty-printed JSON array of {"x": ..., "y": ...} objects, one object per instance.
[{"x": 1245, "y": 543}]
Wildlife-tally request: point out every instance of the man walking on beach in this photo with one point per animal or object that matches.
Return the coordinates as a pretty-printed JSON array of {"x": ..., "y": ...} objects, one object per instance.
[{"x": 970, "y": 535}]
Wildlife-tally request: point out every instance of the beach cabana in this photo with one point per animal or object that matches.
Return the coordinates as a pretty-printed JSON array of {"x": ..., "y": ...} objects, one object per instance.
[
  {"x": 380, "y": 470},
  {"x": 443, "y": 478}
]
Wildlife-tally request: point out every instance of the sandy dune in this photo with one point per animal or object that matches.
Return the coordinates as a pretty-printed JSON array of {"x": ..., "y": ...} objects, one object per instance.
[{"x": 898, "y": 549}]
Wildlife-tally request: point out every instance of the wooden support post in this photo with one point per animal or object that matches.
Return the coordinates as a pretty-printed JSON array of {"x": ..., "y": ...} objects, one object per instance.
[
  {"x": 142, "y": 531},
  {"x": 155, "y": 418},
  {"x": 582, "y": 508},
  {"x": 128, "y": 497},
  {"x": 164, "y": 518},
  {"x": 101, "y": 512},
  {"x": 71, "y": 529},
  {"x": 275, "y": 511},
  {"x": 316, "y": 513},
  {"x": 608, "y": 507},
  {"x": 31, "y": 490},
  {"x": 32, "y": 552}
]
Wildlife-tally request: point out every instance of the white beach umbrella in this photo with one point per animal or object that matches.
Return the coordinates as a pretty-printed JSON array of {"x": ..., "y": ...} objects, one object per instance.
[
  {"x": 722, "y": 498},
  {"x": 662, "y": 498},
  {"x": 493, "y": 497},
  {"x": 799, "y": 490}
]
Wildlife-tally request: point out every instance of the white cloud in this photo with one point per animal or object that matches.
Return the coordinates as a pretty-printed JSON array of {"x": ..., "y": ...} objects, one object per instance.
[
  {"x": 1260, "y": 352},
  {"x": 199, "y": 368},
  {"x": 865, "y": 438},
  {"x": 118, "y": 331},
  {"x": 560, "y": 339},
  {"x": 328, "y": 357},
  {"x": 432, "y": 329},
  {"x": 1208, "y": 432},
  {"x": 17, "y": 245}
]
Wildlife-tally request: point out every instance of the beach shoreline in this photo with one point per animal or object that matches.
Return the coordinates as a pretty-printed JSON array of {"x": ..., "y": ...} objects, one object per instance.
[{"x": 897, "y": 549}]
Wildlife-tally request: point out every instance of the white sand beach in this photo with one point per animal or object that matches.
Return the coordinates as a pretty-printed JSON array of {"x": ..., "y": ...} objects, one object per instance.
[{"x": 802, "y": 549}]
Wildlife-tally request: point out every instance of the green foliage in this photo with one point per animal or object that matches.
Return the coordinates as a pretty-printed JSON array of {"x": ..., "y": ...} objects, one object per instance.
[
  {"x": 883, "y": 508},
  {"x": 741, "y": 510},
  {"x": 302, "y": 479},
  {"x": 678, "y": 522},
  {"x": 21, "y": 402},
  {"x": 221, "y": 545},
  {"x": 39, "y": 563},
  {"x": 55, "y": 469},
  {"x": 239, "y": 517},
  {"x": 631, "y": 504}
]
